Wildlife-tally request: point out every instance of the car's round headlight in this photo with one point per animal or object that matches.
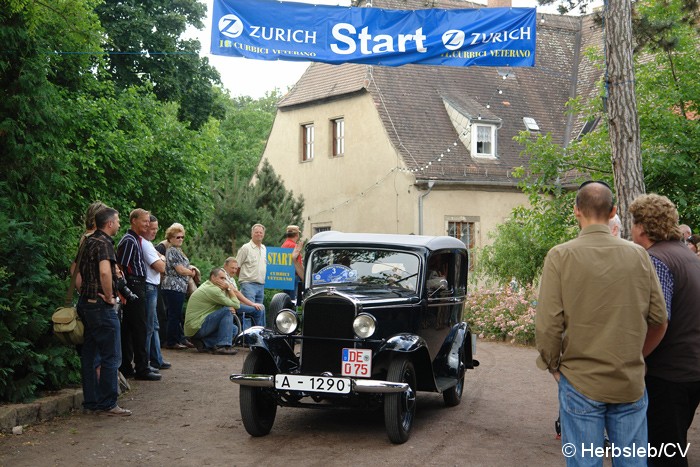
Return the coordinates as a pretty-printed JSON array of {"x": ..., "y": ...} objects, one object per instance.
[
  {"x": 364, "y": 325},
  {"x": 286, "y": 321}
]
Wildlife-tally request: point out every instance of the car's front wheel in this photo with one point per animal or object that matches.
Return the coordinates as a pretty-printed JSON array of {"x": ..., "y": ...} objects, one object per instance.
[
  {"x": 258, "y": 405},
  {"x": 400, "y": 408}
]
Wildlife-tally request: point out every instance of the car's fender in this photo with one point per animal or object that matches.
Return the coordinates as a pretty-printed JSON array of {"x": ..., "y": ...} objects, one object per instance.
[
  {"x": 418, "y": 348},
  {"x": 276, "y": 346}
]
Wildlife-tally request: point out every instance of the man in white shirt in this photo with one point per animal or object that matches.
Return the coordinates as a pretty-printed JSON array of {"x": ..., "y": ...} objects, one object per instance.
[
  {"x": 252, "y": 259},
  {"x": 156, "y": 266}
]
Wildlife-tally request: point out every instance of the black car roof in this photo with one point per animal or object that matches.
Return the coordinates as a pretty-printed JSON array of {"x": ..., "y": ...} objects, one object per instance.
[{"x": 359, "y": 239}]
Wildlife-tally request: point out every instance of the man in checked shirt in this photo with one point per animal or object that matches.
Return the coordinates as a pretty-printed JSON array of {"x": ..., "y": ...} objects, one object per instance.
[{"x": 673, "y": 368}]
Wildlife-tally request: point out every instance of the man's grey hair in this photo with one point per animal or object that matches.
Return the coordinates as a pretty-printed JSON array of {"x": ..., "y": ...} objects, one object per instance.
[{"x": 257, "y": 225}]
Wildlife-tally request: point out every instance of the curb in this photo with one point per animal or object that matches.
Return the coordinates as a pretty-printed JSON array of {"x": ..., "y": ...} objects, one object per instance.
[{"x": 46, "y": 408}]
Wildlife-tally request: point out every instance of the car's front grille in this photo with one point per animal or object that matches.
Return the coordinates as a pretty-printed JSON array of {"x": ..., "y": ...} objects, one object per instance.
[{"x": 327, "y": 317}]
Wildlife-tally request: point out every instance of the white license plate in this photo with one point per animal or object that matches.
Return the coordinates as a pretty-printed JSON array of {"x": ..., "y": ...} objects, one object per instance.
[
  {"x": 312, "y": 384},
  {"x": 357, "y": 362}
]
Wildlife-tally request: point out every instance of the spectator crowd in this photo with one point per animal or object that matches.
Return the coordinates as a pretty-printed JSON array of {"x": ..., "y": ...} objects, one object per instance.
[{"x": 122, "y": 287}]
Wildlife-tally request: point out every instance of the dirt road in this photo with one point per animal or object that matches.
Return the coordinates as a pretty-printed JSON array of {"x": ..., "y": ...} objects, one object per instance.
[{"x": 191, "y": 417}]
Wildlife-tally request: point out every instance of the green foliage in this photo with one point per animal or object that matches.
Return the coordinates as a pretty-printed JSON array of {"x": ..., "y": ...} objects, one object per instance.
[
  {"x": 503, "y": 314},
  {"x": 28, "y": 296},
  {"x": 173, "y": 67},
  {"x": 668, "y": 91},
  {"x": 68, "y": 136},
  {"x": 521, "y": 243},
  {"x": 240, "y": 205}
]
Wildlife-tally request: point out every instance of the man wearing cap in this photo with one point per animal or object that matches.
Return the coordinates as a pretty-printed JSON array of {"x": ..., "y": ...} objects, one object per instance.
[{"x": 292, "y": 241}]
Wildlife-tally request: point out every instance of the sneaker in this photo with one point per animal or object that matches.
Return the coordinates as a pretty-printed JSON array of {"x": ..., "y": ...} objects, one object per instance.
[
  {"x": 224, "y": 350},
  {"x": 164, "y": 366},
  {"x": 116, "y": 411}
]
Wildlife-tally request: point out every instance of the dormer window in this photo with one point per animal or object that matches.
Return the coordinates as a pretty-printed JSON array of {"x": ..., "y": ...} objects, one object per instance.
[
  {"x": 476, "y": 126},
  {"x": 483, "y": 140}
]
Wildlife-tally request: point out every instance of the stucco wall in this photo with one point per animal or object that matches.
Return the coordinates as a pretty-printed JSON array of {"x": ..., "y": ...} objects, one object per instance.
[
  {"x": 491, "y": 207},
  {"x": 360, "y": 191}
]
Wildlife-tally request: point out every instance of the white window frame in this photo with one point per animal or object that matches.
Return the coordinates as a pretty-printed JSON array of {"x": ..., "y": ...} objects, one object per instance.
[
  {"x": 475, "y": 140},
  {"x": 338, "y": 137},
  {"x": 307, "y": 142}
]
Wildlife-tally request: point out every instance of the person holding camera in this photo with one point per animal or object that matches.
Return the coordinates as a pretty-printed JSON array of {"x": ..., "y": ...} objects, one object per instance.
[
  {"x": 130, "y": 257},
  {"x": 97, "y": 310}
]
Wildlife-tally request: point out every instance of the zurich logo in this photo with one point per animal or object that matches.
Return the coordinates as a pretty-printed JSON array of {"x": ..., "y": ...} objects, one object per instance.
[
  {"x": 453, "y": 39},
  {"x": 230, "y": 26}
]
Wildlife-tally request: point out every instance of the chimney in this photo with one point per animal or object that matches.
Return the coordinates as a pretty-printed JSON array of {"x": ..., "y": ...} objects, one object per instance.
[{"x": 499, "y": 3}]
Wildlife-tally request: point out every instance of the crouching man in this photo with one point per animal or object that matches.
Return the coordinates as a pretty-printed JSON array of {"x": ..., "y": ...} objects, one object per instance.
[{"x": 209, "y": 315}]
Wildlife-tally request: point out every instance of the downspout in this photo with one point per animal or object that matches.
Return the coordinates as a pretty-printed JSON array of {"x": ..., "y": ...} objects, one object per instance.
[{"x": 431, "y": 183}]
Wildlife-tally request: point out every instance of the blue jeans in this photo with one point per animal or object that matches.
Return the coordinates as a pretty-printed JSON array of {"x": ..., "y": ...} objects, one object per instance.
[
  {"x": 255, "y": 293},
  {"x": 584, "y": 420},
  {"x": 103, "y": 338},
  {"x": 152, "y": 326},
  {"x": 217, "y": 329},
  {"x": 250, "y": 312},
  {"x": 173, "y": 302}
]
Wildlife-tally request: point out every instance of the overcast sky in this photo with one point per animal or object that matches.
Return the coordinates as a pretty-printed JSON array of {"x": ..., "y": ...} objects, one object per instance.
[{"x": 245, "y": 77}]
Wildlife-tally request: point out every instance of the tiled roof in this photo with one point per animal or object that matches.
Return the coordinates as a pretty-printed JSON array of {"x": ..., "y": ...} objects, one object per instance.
[{"x": 411, "y": 99}]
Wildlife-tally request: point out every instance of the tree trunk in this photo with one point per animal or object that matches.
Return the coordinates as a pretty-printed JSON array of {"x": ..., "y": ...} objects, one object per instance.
[{"x": 622, "y": 109}]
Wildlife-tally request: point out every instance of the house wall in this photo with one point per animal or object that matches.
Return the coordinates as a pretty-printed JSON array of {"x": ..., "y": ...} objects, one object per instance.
[
  {"x": 362, "y": 191},
  {"x": 486, "y": 207}
]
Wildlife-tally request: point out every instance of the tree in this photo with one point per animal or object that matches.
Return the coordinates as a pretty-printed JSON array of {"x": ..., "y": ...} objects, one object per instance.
[
  {"x": 623, "y": 122},
  {"x": 144, "y": 46},
  {"x": 669, "y": 107},
  {"x": 240, "y": 204}
]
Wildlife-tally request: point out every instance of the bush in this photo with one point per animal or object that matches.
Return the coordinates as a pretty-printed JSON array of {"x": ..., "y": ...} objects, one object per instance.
[
  {"x": 30, "y": 359},
  {"x": 503, "y": 314}
]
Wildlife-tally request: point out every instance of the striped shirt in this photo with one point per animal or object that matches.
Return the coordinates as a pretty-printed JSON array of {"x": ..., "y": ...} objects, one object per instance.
[{"x": 130, "y": 255}]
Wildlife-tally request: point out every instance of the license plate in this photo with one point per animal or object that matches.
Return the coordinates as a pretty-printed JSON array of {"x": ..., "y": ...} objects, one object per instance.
[
  {"x": 312, "y": 384},
  {"x": 357, "y": 362}
]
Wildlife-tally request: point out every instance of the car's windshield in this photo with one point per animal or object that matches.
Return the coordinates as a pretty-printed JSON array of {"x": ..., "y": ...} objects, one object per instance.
[{"x": 383, "y": 268}]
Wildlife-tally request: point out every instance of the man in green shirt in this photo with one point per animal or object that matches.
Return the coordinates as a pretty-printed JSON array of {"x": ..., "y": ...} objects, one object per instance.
[
  {"x": 209, "y": 315},
  {"x": 600, "y": 311}
]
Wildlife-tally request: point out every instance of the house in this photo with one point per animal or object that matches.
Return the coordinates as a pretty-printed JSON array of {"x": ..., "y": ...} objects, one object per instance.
[{"x": 426, "y": 149}]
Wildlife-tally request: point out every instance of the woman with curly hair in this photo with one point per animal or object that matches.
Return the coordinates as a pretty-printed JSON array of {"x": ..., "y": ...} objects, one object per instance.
[{"x": 673, "y": 368}]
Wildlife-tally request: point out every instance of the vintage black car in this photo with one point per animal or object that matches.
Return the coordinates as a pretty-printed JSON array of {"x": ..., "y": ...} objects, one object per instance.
[{"x": 380, "y": 318}]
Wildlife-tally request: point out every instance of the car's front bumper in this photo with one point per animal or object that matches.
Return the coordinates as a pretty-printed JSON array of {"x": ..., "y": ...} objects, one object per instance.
[{"x": 371, "y": 386}]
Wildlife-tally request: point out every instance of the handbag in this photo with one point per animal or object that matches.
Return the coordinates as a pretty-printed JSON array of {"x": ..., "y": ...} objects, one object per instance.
[{"x": 67, "y": 326}]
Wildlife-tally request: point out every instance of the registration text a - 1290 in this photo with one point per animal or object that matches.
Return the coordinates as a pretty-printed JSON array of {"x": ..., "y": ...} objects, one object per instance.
[{"x": 312, "y": 383}]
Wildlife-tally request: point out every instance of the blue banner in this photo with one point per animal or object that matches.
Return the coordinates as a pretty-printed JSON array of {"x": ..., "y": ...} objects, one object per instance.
[
  {"x": 280, "y": 272},
  {"x": 270, "y": 30}
]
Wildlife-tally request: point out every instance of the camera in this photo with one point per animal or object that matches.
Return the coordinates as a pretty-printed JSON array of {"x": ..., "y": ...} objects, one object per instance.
[{"x": 125, "y": 291}]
